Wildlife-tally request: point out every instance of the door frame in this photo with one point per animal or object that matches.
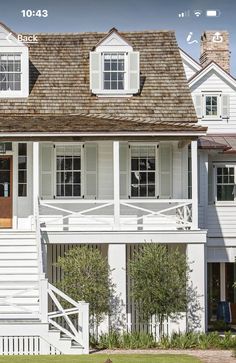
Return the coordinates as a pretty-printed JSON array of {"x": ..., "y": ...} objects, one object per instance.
[{"x": 6, "y": 156}]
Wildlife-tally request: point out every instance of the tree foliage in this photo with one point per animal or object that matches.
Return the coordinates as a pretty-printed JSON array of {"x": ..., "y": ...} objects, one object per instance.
[
  {"x": 86, "y": 276},
  {"x": 159, "y": 281}
]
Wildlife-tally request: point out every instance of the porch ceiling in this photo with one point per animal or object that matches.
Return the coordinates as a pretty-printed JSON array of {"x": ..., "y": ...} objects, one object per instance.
[{"x": 87, "y": 125}]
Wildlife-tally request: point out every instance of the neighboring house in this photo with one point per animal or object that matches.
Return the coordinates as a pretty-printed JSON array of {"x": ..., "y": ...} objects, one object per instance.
[
  {"x": 98, "y": 137},
  {"x": 213, "y": 90}
]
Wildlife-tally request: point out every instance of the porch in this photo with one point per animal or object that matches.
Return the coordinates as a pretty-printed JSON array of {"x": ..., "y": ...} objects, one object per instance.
[{"x": 107, "y": 185}]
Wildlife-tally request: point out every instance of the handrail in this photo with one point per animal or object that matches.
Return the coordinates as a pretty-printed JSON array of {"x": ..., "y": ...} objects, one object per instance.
[
  {"x": 81, "y": 308},
  {"x": 38, "y": 240}
]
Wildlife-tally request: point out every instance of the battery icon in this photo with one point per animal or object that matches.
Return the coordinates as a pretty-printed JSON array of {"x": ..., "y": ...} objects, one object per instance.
[{"x": 213, "y": 13}]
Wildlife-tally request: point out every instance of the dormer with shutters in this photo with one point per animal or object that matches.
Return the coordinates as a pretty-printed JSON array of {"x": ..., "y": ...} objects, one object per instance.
[
  {"x": 14, "y": 65},
  {"x": 114, "y": 67}
]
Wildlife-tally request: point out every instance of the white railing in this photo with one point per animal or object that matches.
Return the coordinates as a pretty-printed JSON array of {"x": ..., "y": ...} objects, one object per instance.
[
  {"x": 59, "y": 317},
  {"x": 99, "y": 215}
]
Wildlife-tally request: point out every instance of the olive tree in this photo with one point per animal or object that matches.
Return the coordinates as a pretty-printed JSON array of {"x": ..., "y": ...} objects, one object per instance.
[
  {"x": 159, "y": 281},
  {"x": 86, "y": 276}
]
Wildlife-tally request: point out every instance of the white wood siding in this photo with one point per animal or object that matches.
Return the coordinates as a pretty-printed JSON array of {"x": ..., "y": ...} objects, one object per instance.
[
  {"x": 189, "y": 71},
  {"x": 213, "y": 83}
]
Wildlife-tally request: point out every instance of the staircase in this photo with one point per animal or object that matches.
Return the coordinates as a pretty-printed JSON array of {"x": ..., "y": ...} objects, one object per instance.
[
  {"x": 26, "y": 325},
  {"x": 19, "y": 277}
]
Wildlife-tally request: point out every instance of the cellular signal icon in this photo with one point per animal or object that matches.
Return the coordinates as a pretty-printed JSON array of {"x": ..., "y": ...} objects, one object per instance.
[{"x": 184, "y": 14}]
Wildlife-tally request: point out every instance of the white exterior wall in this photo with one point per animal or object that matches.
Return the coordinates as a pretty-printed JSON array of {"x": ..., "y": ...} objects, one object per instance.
[
  {"x": 189, "y": 71},
  {"x": 214, "y": 83}
]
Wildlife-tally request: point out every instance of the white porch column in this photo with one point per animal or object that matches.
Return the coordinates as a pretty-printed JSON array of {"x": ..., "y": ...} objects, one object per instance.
[
  {"x": 35, "y": 176},
  {"x": 196, "y": 318},
  {"x": 194, "y": 184},
  {"x": 116, "y": 176},
  {"x": 117, "y": 262}
]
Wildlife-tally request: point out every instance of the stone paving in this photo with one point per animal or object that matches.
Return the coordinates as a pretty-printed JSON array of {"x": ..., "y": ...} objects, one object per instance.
[{"x": 206, "y": 356}]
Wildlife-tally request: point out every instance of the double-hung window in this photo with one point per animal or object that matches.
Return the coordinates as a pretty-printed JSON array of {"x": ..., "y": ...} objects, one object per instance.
[
  {"x": 143, "y": 171},
  {"x": 225, "y": 183},
  {"x": 211, "y": 105},
  {"x": 10, "y": 72},
  {"x": 68, "y": 171},
  {"x": 114, "y": 71}
]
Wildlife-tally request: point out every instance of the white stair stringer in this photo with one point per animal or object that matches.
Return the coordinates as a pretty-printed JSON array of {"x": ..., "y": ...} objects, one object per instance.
[{"x": 19, "y": 276}]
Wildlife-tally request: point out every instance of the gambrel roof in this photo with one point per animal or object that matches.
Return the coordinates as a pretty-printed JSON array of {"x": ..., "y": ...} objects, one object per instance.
[{"x": 59, "y": 79}]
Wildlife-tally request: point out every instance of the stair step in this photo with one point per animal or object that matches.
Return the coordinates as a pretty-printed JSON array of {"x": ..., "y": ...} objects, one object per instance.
[
  {"x": 18, "y": 285},
  {"x": 18, "y": 263},
  {"x": 18, "y": 249},
  {"x": 26, "y": 294},
  {"x": 20, "y": 278},
  {"x": 18, "y": 242},
  {"x": 18, "y": 270},
  {"x": 18, "y": 256}
]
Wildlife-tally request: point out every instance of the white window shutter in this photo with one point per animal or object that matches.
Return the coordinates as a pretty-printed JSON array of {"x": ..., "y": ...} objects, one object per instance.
[
  {"x": 95, "y": 72},
  {"x": 225, "y": 106},
  {"x": 124, "y": 171},
  {"x": 198, "y": 105},
  {"x": 46, "y": 171},
  {"x": 133, "y": 73},
  {"x": 165, "y": 158},
  {"x": 90, "y": 163}
]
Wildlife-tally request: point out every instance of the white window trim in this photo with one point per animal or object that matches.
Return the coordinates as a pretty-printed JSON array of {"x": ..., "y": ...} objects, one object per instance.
[
  {"x": 55, "y": 170},
  {"x": 157, "y": 176},
  {"x": 222, "y": 165},
  {"x": 119, "y": 91},
  {"x": 219, "y": 105},
  {"x": 24, "y": 92}
]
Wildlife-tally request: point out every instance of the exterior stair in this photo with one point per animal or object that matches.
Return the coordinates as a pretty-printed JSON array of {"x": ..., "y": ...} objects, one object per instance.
[
  {"x": 25, "y": 319},
  {"x": 19, "y": 276}
]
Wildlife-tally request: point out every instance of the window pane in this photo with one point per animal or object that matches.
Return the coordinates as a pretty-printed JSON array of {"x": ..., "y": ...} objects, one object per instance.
[
  {"x": 68, "y": 174},
  {"x": 22, "y": 176},
  {"x": 142, "y": 180},
  {"x": 22, "y": 169},
  {"x": 10, "y": 68},
  {"x": 76, "y": 190},
  {"x": 225, "y": 192},
  {"x": 68, "y": 190}
]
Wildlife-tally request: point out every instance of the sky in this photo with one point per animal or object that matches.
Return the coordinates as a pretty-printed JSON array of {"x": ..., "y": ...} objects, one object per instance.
[{"x": 101, "y": 15}]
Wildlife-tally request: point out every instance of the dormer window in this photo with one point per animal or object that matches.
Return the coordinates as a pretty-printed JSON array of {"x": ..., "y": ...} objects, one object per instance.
[
  {"x": 113, "y": 71},
  {"x": 114, "y": 67},
  {"x": 10, "y": 72},
  {"x": 14, "y": 65}
]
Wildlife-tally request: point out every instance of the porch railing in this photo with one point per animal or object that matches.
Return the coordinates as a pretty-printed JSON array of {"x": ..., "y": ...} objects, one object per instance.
[{"x": 99, "y": 215}]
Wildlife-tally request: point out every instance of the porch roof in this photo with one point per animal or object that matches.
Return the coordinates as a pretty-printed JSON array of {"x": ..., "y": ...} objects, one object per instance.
[
  {"x": 87, "y": 125},
  {"x": 223, "y": 143}
]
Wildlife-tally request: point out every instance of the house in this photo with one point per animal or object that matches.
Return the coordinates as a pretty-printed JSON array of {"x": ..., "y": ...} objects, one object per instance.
[
  {"x": 99, "y": 147},
  {"x": 213, "y": 89}
]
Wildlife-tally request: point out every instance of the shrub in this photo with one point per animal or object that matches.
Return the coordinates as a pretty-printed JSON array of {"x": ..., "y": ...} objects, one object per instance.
[{"x": 136, "y": 340}]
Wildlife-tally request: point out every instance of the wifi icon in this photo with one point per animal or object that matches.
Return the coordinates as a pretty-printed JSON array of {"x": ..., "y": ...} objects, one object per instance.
[{"x": 198, "y": 13}]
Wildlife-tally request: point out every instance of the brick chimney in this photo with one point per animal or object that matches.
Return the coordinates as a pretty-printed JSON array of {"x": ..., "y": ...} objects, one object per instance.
[{"x": 215, "y": 47}]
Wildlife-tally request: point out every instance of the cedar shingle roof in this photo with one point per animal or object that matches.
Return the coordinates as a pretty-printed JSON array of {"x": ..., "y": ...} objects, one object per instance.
[
  {"x": 59, "y": 80},
  {"x": 88, "y": 124}
]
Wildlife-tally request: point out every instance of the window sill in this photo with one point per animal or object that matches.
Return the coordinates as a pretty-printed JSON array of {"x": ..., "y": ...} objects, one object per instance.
[
  {"x": 112, "y": 95},
  {"x": 224, "y": 204}
]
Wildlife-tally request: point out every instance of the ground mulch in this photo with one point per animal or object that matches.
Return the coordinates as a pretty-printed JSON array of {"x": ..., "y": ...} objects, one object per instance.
[{"x": 206, "y": 356}]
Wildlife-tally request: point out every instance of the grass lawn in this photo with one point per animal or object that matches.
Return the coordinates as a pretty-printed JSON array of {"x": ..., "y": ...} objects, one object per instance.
[{"x": 100, "y": 358}]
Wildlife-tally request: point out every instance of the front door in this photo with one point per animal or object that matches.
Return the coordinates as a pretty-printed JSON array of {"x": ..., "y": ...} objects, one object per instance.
[{"x": 5, "y": 191}]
